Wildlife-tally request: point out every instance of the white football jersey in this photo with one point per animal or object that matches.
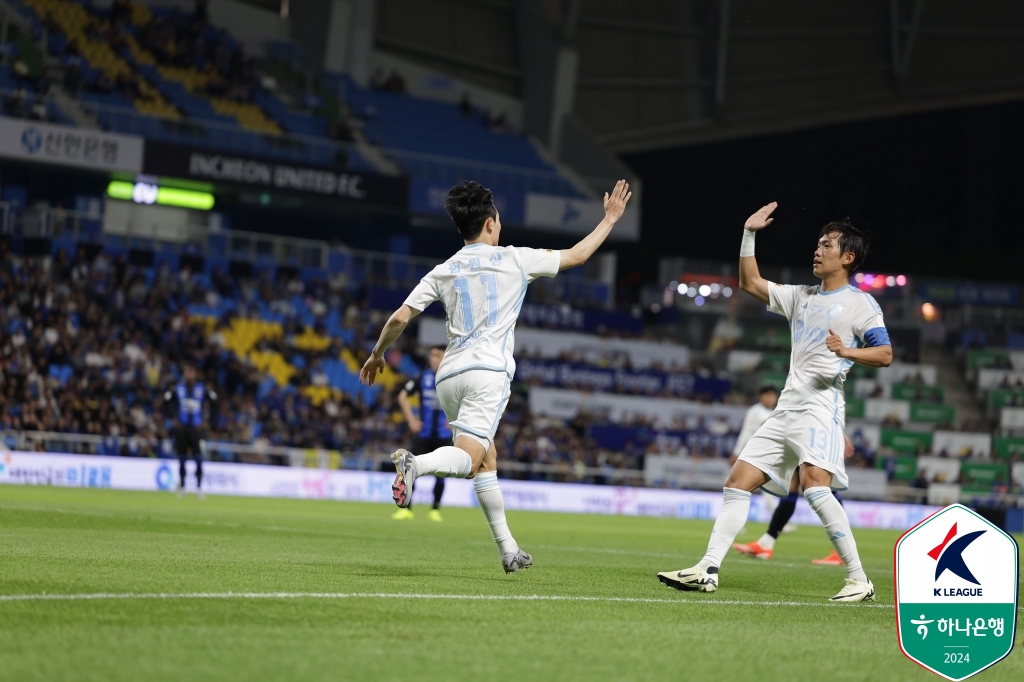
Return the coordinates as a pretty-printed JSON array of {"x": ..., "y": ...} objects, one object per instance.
[
  {"x": 482, "y": 289},
  {"x": 756, "y": 415},
  {"x": 816, "y": 375}
]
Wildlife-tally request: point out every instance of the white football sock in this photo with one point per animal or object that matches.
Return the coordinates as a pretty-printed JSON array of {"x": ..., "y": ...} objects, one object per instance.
[
  {"x": 767, "y": 541},
  {"x": 837, "y": 527},
  {"x": 735, "y": 507},
  {"x": 488, "y": 494},
  {"x": 447, "y": 460}
]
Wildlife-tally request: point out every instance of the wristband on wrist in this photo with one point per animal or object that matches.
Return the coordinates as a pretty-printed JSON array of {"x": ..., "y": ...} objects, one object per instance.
[{"x": 747, "y": 245}]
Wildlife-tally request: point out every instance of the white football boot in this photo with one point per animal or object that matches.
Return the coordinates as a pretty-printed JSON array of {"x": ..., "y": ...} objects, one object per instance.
[
  {"x": 855, "y": 590},
  {"x": 698, "y": 578},
  {"x": 513, "y": 561},
  {"x": 405, "y": 467}
]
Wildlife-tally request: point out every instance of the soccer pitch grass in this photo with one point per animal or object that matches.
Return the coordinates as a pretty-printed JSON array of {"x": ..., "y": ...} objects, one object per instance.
[{"x": 606, "y": 616}]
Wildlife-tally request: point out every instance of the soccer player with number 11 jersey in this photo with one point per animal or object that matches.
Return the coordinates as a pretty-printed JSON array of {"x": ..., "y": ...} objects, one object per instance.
[
  {"x": 482, "y": 288},
  {"x": 833, "y": 325}
]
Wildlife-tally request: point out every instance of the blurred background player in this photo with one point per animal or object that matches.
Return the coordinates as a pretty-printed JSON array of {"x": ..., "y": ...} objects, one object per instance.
[
  {"x": 184, "y": 404},
  {"x": 430, "y": 429},
  {"x": 764, "y": 547},
  {"x": 768, "y": 398},
  {"x": 482, "y": 288},
  {"x": 805, "y": 432}
]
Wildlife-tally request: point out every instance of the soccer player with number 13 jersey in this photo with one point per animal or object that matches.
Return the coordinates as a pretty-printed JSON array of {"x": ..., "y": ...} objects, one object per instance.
[{"x": 833, "y": 325}]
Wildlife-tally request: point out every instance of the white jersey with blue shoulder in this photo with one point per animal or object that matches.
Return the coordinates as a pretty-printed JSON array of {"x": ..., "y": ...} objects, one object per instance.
[
  {"x": 482, "y": 289},
  {"x": 816, "y": 375}
]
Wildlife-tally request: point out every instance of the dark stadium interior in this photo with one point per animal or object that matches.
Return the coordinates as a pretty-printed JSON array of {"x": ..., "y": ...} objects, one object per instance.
[{"x": 940, "y": 185}]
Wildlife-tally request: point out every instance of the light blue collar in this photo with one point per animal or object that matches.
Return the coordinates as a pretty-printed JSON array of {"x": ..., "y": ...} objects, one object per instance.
[
  {"x": 834, "y": 291},
  {"x": 469, "y": 246}
]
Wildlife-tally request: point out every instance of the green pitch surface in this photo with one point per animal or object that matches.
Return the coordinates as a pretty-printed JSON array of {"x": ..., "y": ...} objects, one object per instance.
[{"x": 337, "y": 568}]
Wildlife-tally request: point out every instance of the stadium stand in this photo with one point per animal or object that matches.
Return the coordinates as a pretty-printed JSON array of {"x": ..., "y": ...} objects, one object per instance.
[
  {"x": 91, "y": 341},
  {"x": 94, "y": 334},
  {"x": 418, "y": 132},
  {"x": 173, "y": 77}
]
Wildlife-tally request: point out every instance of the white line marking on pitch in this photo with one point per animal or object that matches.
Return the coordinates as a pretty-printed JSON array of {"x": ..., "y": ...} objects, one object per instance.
[{"x": 387, "y": 595}]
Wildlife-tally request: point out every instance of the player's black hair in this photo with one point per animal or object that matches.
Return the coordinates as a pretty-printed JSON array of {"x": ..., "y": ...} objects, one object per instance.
[
  {"x": 851, "y": 240},
  {"x": 439, "y": 346},
  {"x": 470, "y": 204},
  {"x": 767, "y": 388}
]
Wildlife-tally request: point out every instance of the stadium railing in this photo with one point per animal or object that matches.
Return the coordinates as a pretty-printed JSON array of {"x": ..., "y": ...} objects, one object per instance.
[
  {"x": 257, "y": 248},
  {"x": 49, "y": 222}
]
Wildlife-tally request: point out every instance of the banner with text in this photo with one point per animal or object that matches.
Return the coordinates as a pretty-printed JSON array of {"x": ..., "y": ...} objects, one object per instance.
[
  {"x": 127, "y": 473},
  {"x": 578, "y": 347},
  {"x": 709, "y": 474},
  {"x": 67, "y": 146},
  {"x": 271, "y": 175},
  {"x": 660, "y": 412},
  {"x": 620, "y": 438},
  {"x": 427, "y": 196},
  {"x": 577, "y": 216},
  {"x": 591, "y": 378}
]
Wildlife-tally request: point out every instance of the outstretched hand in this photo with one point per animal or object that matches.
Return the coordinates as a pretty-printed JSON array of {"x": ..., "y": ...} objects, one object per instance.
[
  {"x": 368, "y": 374},
  {"x": 761, "y": 219},
  {"x": 615, "y": 204}
]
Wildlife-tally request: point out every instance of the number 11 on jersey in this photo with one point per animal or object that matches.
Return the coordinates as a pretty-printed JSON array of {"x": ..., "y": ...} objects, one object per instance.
[{"x": 490, "y": 282}]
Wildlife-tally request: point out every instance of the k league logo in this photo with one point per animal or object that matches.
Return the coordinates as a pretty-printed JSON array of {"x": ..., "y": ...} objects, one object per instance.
[
  {"x": 952, "y": 559},
  {"x": 956, "y": 593}
]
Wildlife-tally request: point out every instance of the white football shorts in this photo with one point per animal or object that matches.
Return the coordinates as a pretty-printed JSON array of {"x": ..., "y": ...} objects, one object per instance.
[
  {"x": 474, "y": 401},
  {"x": 789, "y": 438}
]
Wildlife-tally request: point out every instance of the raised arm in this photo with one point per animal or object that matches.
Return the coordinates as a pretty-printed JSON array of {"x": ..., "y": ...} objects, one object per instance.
[
  {"x": 614, "y": 206},
  {"x": 750, "y": 277},
  {"x": 393, "y": 328}
]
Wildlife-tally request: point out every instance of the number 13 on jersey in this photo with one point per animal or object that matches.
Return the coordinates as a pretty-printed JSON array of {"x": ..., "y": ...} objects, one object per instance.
[{"x": 819, "y": 439}]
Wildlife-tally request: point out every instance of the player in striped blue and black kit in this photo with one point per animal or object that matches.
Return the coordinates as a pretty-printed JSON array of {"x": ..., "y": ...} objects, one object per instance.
[
  {"x": 431, "y": 428},
  {"x": 184, "y": 404}
]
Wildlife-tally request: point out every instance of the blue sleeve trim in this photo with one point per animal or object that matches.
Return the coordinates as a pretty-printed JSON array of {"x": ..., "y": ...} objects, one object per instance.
[{"x": 879, "y": 336}]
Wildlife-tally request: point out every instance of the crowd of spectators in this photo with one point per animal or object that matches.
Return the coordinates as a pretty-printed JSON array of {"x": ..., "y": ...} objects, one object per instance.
[
  {"x": 89, "y": 344},
  {"x": 26, "y": 103},
  {"x": 173, "y": 38},
  {"x": 27, "y": 87}
]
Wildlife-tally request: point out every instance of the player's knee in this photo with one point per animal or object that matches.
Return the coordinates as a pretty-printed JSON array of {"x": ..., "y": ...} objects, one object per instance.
[
  {"x": 744, "y": 476},
  {"x": 814, "y": 477}
]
